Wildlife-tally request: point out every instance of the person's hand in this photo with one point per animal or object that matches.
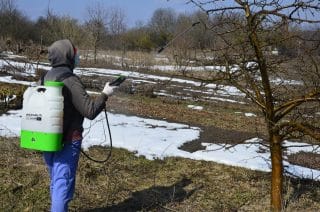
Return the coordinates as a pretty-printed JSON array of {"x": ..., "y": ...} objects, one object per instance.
[{"x": 108, "y": 90}]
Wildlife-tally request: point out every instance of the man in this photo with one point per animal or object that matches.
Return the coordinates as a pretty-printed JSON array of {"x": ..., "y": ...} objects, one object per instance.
[{"x": 62, "y": 165}]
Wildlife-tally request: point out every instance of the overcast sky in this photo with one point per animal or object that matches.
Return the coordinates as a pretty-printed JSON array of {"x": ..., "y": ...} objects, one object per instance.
[{"x": 135, "y": 10}]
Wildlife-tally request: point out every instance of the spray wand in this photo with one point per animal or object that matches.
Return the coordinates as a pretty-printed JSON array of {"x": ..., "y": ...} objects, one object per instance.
[
  {"x": 121, "y": 79},
  {"x": 177, "y": 36}
]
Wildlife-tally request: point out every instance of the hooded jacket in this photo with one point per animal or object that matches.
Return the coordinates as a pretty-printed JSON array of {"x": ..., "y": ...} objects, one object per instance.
[{"x": 77, "y": 103}]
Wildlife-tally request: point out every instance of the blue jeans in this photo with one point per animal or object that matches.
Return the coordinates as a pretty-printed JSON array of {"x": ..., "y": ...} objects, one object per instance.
[{"x": 62, "y": 166}]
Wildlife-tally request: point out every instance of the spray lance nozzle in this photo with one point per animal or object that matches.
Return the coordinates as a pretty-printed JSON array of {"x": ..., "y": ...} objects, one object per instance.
[{"x": 178, "y": 35}]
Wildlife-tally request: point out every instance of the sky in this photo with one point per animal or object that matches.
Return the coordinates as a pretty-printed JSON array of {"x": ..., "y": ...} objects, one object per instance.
[{"x": 135, "y": 10}]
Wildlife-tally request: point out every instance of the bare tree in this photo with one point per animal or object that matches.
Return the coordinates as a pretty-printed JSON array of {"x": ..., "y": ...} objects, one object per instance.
[
  {"x": 162, "y": 25},
  {"x": 96, "y": 25},
  {"x": 53, "y": 27},
  {"x": 284, "y": 87},
  {"x": 117, "y": 23},
  {"x": 14, "y": 26},
  {"x": 117, "y": 28}
]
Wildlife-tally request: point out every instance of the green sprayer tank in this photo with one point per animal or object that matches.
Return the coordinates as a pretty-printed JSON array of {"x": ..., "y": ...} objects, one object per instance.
[{"x": 42, "y": 117}]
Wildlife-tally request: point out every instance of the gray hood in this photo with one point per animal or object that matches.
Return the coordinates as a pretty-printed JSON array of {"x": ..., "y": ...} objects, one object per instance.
[{"x": 61, "y": 53}]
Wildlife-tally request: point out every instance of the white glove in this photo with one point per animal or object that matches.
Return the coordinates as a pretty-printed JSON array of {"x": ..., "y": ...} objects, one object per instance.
[{"x": 108, "y": 90}]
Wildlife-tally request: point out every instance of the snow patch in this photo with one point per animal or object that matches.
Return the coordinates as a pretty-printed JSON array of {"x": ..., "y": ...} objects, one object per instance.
[{"x": 194, "y": 107}]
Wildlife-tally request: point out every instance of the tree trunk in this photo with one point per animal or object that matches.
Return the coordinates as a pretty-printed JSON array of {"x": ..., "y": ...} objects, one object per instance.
[
  {"x": 95, "y": 53},
  {"x": 277, "y": 173}
]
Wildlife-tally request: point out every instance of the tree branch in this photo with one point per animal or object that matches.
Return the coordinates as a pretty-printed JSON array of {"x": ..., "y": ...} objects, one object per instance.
[
  {"x": 304, "y": 128},
  {"x": 287, "y": 107}
]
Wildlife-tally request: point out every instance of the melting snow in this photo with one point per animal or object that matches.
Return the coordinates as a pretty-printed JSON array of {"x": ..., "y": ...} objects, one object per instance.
[{"x": 158, "y": 139}]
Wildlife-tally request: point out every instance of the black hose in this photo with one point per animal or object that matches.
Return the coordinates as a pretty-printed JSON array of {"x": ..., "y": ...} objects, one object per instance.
[{"x": 110, "y": 138}]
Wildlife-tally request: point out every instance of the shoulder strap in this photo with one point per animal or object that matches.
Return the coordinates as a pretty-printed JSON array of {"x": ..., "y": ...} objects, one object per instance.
[
  {"x": 64, "y": 76},
  {"x": 42, "y": 79},
  {"x": 59, "y": 78}
]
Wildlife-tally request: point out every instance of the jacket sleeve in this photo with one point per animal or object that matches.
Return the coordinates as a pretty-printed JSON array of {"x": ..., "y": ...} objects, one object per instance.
[{"x": 87, "y": 106}]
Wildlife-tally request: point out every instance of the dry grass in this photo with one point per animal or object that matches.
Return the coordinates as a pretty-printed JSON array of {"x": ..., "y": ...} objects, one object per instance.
[
  {"x": 128, "y": 59},
  {"x": 22, "y": 178},
  {"x": 130, "y": 183},
  {"x": 219, "y": 114}
]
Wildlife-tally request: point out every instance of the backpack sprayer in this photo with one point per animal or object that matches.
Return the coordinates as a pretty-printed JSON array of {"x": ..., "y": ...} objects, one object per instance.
[{"x": 42, "y": 117}]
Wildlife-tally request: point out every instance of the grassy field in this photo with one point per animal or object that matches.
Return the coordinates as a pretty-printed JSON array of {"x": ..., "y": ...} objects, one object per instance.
[{"x": 130, "y": 183}]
